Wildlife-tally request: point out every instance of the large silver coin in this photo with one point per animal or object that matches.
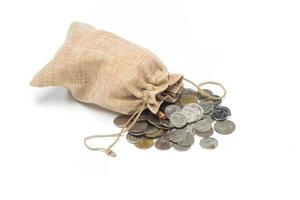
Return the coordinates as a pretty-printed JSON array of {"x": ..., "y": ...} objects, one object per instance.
[
  {"x": 198, "y": 108},
  {"x": 190, "y": 113},
  {"x": 221, "y": 113},
  {"x": 207, "y": 106},
  {"x": 178, "y": 119},
  {"x": 189, "y": 141},
  {"x": 163, "y": 144},
  {"x": 171, "y": 109},
  {"x": 132, "y": 139},
  {"x": 224, "y": 127},
  {"x": 205, "y": 134},
  {"x": 208, "y": 143},
  {"x": 188, "y": 128},
  {"x": 202, "y": 126},
  {"x": 178, "y": 147},
  {"x": 177, "y": 135},
  {"x": 139, "y": 127}
]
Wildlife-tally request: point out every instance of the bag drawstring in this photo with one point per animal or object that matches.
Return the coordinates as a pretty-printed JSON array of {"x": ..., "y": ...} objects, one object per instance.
[{"x": 129, "y": 124}]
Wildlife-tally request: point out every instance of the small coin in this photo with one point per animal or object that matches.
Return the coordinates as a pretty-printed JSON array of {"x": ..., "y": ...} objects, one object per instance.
[
  {"x": 208, "y": 118},
  {"x": 205, "y": 134},
  {"x": 189, "y": 141},
  {"x": 221, "y": 113},
  {"x": 224, "y": 127},
  {"x": 133, "y": 139},
  {"x": 150, "y": 129},
  {"x": 139, "y": 127},
  {"x": 191, "y": 114},
  {"x": 202, "y": 126},
  {"x": 145, "y": 143},
  {"x": 121, "y": 120},
  {"x": 186, "y": 99},
  {"x": 166, "y": 123},
  {"x": 178, "y": 119},
  {"x": 208, "y": 143},
  {"x": 152, "y": 119},
  {"x": 156, "y": 134},
  {"x": 177, "y": 135},
  {"x": 207, "y": 105},
  {"x": 171, "y": 109},
  {"x": 163, "y": 144},
  {"x": 178, "y": 147},
  {"x": 198, "y": 108}
]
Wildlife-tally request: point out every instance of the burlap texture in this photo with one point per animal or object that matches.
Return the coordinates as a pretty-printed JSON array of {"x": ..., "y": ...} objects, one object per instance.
[{"x": 101, "y": 68}]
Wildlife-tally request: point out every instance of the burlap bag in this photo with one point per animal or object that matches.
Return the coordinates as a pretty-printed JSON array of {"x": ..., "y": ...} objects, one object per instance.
[{"x": 101, "y": 68}]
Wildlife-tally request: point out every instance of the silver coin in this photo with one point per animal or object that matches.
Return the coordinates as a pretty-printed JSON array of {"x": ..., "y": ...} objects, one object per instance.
[
  {"x": 208, "y": 118},
  {"x": 189, "y": 141},
  {"x": 188, "y": 128},
  {"x": 221, "y": 113},
  {"x": 208, "y": 143},
  {"x": 132, "y": 139},
  {"x": 190, "y": 113},
  {"x": 177, "y": 135},
  {"x": 171, "y": 109},
  {"x": 224, "y": 127},
  {"x": 202, "y": 126},
  {"x": 197, "y": 107},
  {"x": 205, "y": 134},
  {"x": 207, "y": 106},
  {"x": 178, "y": 147},
  {"x": 139, "y": 127},
  {"x": 178, "y": 119},
  {"x": 163, "y": 144}
]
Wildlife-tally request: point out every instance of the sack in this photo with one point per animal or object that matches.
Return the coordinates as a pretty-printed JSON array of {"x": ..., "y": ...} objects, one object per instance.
[{"x": 101, "y": 68}]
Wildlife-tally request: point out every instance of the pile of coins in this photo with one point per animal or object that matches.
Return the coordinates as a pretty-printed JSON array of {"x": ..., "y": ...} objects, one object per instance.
[{"x": 177, "y": 124}]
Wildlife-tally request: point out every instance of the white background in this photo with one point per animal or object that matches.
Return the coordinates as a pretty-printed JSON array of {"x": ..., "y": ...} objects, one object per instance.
[{"x": 252, "y": 47}]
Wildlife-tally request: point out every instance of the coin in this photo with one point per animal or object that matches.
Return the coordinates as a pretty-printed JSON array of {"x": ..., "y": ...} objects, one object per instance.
[
  {"x": 166, "y": 123},
  {"x": 150, "y": 129},
  {"x": 132, "y": 139},
  {"x": 224, "y": 127},
  {"x": 171, "y": 109},
  {"x": 186, "y": 99},
  {"x": 217, "y": 101},
  {"x": 205, "y": 134},
  {"x": 208, "y": 118},
  {"x": 139, "y": 127},
  {"x": 178, "y": 119},
  {"x": 163, "y": 144},
  {"x": 198, "y": 108},
  {"x": 145, "y": 143},
  {"x": 178, "y": 147},
  {"x": 188, "y": 128},
  {"x": 121, "y": 120},
  {"x": 187, "y": 91},
  {"x": 221, "y": 113},
  {"x": 137, "y": 134},
  {"x": 156, "y": 134},
  {"x": 208, "y": 143},
  {"x": 202, "y": 126},
  {"x": 207, "y": 106},
  {"x": 189, "y": 140},
  {"x": 152, "y": 119},
  {"x": 177, "y": 135},
  {"x": 190, "y": 113}
]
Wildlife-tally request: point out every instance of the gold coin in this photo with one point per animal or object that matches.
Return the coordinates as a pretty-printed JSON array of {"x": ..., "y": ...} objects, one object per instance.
[
  {"x": 186, "y": 99},
  {"x": 145, "y": 143},
  {"x": 155, "y": 134}
]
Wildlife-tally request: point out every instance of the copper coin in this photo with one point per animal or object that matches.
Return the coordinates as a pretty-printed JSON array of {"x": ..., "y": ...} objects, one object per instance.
[
  {"x": 163, "y": 144},
  {"x": 145, "y": 143},
  {"x": 156, "y": 134},
  {"x": 139, "y": 127},
  {"x": 121, "y": 120}
]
